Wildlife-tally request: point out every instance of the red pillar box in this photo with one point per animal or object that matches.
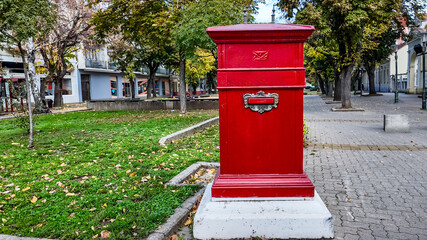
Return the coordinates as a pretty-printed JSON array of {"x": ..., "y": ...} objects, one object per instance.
[{"x": 260, "y": 81}]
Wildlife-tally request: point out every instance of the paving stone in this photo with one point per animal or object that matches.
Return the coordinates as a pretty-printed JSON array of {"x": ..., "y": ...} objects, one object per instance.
[{"x": 371, "y": 181}]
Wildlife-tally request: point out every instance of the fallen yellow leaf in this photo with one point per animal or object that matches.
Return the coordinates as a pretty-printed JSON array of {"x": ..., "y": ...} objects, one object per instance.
[
  {"x": 26, "y": 189},
  {"x": 132, "y": 174},
  {"x": 95, "y": 236},
  {"x": 33, "y": 199},
  {"x": 188, "y": 222}
]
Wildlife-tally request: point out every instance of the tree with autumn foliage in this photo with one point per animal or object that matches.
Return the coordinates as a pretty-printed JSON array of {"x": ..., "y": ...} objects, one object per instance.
[
  {"x": 346, "y": 22},
  {"x": 353, "y": 27},
  {"x": 320, "y": 69},
  {"x": 72, "y": 27},
  {"x": 198, "y": 67}
]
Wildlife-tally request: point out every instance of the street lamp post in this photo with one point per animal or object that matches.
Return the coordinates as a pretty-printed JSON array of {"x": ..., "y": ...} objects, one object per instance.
[
  {"x": 396, "y": 92},
  {"x": 422, "y": 50}
]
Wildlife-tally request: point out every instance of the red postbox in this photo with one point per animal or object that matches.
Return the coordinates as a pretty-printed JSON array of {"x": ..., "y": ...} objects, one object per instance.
[{"x": 261, "y": 79}]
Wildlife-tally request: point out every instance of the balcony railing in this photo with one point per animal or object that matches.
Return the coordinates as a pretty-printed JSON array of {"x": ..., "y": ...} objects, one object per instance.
[
  {"x": 110, "y": 65},
  {"x": 100, "y": 64}
]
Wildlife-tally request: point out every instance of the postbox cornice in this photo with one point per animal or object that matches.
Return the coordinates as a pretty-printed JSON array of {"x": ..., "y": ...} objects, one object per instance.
[{"x": 260, "y": 33}]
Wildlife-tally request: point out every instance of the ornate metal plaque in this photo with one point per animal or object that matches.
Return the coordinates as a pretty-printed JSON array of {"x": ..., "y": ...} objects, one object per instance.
[{"x": 258, "y": 105}]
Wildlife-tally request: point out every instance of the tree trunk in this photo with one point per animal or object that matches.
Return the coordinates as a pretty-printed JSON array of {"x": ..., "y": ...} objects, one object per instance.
[
  {"x": 337, "y": 90},
  {"x": 57, "y": 93},
  {"x": 151, "y": 88},
  {"x": 42, "y": 92},
  {"x": 210, "y": 82},
  {"x": 182, "y": 90},
  {"x": 151, "y": 84},
  {"x": 132, "y": 88},
  {"x": 346, "y": 85},
  {"x": 370, "y": 68},
  {"x": 170, "y": 84},
  {"x": 321, "y": 83},
  {"x": 330, "y": 87},
  {"x": 28, "y": 91},
  {"x": 40, "y": 105}
]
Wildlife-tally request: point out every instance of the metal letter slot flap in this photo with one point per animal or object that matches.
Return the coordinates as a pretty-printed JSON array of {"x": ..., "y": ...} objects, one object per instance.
[{"x": 261, "y": 101}]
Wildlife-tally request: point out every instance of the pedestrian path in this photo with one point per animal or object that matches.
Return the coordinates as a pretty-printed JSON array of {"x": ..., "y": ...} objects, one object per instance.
[{"x": 374, "y": 183}]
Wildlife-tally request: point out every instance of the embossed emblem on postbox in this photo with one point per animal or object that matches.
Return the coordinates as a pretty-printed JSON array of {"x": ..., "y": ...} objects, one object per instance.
[
  {"x": 260, "y": 55},
  {"x": 261, "y": 101}
]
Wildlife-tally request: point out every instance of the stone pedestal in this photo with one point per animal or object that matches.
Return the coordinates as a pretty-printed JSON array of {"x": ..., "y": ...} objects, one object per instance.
[
  {"x": 396, "y": 123},
  {"x": 284, "y": 218}
]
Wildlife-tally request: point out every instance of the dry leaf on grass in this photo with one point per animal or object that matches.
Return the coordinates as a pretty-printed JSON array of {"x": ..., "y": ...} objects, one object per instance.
[{"x": 105, "y": 234}]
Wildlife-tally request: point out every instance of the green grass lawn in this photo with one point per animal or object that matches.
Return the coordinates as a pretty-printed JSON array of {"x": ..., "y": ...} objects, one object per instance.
[{"x": 95, "y": 171}]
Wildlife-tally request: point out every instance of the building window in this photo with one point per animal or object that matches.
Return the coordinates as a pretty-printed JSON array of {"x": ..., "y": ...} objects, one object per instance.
[
  {"x": 113, "y": 86},
  {"x": 163, "y": 88},
  {"x": 66, "y": 87},
  {"x": 48, "y": 89},
  {"x": 126, "y": 87}
]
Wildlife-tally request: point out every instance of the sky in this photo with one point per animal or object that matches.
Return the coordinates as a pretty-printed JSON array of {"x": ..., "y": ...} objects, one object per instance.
[{"x": 264, "y": 12}]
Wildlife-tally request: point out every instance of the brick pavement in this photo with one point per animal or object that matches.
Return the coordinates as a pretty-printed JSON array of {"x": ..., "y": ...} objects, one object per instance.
[{"x": 374, "y": 183}]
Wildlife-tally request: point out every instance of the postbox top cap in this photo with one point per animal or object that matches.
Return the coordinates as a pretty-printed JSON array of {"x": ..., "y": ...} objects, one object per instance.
[{"x": 260, "y": 33}]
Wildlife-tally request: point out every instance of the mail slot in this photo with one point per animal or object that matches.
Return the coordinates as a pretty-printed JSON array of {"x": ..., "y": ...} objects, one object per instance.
[
  {"x": 261, "y": 78},
  {"x": 261, "y": 100}
]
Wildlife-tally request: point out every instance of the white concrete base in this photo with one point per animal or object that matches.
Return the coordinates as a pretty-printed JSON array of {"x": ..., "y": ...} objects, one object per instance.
[
  {"x": 266, "y": 219},
  {"x": 396, "y": 123}
]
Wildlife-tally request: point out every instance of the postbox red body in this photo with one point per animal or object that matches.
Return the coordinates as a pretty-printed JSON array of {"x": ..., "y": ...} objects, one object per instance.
[{"x": 261, "y": 79}]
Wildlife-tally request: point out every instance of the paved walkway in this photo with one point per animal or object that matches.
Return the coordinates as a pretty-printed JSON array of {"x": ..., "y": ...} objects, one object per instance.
[{"x": 374, "y": 183}]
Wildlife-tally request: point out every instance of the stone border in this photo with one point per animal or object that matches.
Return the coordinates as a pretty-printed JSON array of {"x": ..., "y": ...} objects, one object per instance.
[
  {"x": 178, "y": 179},
  {"x": 177, "y": 219},
  {"x": 188, "y": 131},
  {"x": 333, "y": 102},
  {"x": 347, "y": 109},
  {"x": 9, "y": 237}
]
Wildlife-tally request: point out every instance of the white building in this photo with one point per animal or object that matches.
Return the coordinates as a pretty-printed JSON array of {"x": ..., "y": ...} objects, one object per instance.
[{"x": 93, "y": 77}]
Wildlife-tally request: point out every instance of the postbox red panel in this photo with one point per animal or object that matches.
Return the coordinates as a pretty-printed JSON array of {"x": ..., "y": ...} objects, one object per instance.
[
  {"x": 264, "y": 55},
  {"x": 260, "y": 81}
]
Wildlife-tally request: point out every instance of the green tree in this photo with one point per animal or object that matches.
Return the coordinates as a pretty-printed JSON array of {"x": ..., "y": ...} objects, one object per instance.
[
  {"x": 20, "y": 23},
  {"x": 190, "y": 32},
  {"x": 380, "y": 37},
  {"x": 346, "y": 21},
  {"x": 198, "y": 67},
  {"x": 144, "y": 25},
  {"x": 320, "y": 68}
]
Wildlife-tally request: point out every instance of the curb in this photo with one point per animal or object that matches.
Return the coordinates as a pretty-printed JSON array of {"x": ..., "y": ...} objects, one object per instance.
[
  {"x": 188, "y": 131},
  {"x": 178, "y": 179},
  {"x": 347, "y": 110},
  {"x": 174, "y": 221},
  {"x": 10, "y": 237}
]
